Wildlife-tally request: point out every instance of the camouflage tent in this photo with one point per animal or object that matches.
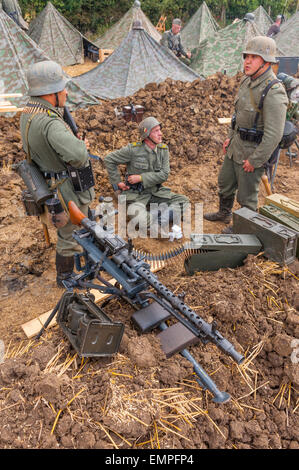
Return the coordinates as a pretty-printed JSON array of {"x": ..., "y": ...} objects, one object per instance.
[
  {"x": 17, "y": 53},
  {"x": 223, "y": 51},
  {"x": 262, "y": 19},
  {"x": 57, "y": 37},
  {"x": 12, "y": 9},
  {"x": 137, "y": 61},
  {"x": 113, "y": 37},
  {"x": 200, "y": 26},
  {"x": 288, "y": 37}
]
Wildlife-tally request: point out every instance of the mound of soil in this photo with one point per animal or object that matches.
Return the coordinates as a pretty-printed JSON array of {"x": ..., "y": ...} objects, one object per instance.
[{"x": 51, "y": 398}]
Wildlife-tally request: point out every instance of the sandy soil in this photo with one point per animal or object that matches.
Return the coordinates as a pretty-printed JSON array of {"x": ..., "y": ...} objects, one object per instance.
[{"x": 50, "y": 398}]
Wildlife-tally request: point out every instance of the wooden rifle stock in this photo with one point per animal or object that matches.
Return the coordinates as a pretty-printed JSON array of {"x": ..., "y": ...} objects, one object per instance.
[
  {"x": 267, "y": 185},
  {"x": 76, "y": 215}
]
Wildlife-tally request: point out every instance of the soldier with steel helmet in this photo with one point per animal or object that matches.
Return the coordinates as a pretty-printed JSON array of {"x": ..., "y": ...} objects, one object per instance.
[
  {"x": 147, "y": 168},
  {"x": 248, "y": 148},
  {"x": 52, "y": 146},
  {"x": 172, "y": 40}
]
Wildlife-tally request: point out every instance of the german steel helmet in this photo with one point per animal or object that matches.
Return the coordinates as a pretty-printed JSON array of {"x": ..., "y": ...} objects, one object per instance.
[
  {"x": 177, "y": 21},
  {"x": 147, "y": 125},
  {"x": 45, "y": 77},
  {"x": 249, "y": 17},
  {"x": 264, "y": 47}
]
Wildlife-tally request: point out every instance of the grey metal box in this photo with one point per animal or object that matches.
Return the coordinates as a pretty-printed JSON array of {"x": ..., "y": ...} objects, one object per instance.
[
  {"x": 279, "y": 242},
  {"x": 210, "y": 252}
]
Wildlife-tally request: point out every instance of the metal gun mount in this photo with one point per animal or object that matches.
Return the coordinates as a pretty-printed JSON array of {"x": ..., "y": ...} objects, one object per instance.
[{"x": 86, "y": 325}]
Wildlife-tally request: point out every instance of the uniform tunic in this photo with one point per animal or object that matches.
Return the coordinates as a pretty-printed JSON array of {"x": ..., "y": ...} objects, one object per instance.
[
  {"x": 52, "y": 146},
  {"x": 153, "y": 166},
  {"x": 271, "y": 121},
  {"x": 173, "y": 42}
]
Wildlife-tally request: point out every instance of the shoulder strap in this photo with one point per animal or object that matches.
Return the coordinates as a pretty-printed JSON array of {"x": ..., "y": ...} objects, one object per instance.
[{"x": 261, "y": 102}]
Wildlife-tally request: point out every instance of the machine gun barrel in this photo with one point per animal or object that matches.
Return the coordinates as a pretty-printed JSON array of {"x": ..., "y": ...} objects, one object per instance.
[
  {"x": 206, "y": 331},
  {"x": 117, "y": 249}
]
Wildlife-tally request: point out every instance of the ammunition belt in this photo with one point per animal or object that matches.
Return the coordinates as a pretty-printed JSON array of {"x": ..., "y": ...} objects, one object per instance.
[{"x": 251, "y": 135}]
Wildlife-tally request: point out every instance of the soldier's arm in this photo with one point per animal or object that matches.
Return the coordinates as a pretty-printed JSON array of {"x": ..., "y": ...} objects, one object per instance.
[
  {"x": 164, "y": 40},
  {"x": 152, "y": 178},
  {"x": 72, "y": 150},
  {"x": 113, "y": 159},
  {"x": 182, "y": 50},
  {"x": 274, "y": 115}
]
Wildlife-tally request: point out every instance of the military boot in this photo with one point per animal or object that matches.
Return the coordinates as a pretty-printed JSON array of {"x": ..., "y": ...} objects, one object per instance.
[
  {"x": 64, "y": 268},
  {"x": 224, "y": 213}
]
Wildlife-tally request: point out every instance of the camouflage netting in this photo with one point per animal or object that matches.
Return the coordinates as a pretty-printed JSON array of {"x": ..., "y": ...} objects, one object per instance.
[
  {"x": 288, "y": 37},
  {"x": 12, "y": 9},
  {"x": 57, "y": 37},
  {"x": 113, "y": 37},
  {"x": 223, "y": 51},
  {"x": 137, "y": 61},
  {"x": 17, "y": 52},
  {"x": 262, "y": 19},
  {"x": 200, "y": 26}
]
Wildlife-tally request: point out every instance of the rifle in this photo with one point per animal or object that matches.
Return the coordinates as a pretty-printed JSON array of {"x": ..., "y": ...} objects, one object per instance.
[
  {"x": 135, "y": 186},
  {"x": 68, "y": 118},
  {"x": 104, "y": 251}
]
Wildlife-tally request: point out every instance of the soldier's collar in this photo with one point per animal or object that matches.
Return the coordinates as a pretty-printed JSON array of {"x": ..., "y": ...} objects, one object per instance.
[
  {"x": 149, "y": 149},
  {"x": 253, "y": 83}
]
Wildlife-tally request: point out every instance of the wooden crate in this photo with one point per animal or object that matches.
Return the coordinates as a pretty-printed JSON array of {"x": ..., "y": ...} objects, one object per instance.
[{"x": 104, "y": 53}]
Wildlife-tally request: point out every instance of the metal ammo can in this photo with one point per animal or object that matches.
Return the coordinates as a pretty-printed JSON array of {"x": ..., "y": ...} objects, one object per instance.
[{"x": 31, "y": 208}]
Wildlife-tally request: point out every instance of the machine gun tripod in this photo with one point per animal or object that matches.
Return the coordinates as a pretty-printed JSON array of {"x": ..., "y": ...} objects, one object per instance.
[{"x": 83, "y": 321}]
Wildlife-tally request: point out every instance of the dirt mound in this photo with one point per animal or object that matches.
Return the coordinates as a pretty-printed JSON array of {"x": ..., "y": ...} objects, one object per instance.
[
  {"x": 51, "y": 398},
  {"x": 189, "y": 114}
]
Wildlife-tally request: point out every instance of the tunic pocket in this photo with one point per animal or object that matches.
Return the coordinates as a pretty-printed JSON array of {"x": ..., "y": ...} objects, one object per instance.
[{"x": 140, "y": 164}]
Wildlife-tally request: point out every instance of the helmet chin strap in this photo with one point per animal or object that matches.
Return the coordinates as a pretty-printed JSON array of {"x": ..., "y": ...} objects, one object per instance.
[
  {"x": 57, "y": 100},
  {"x": 260, "y": 67}
]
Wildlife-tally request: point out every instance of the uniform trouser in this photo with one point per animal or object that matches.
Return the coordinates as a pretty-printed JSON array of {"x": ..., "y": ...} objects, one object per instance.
[
  {"x": 177, "y": 202},
  {"x": 66, "y": 245},
  {"x": 232, "y": 178}
]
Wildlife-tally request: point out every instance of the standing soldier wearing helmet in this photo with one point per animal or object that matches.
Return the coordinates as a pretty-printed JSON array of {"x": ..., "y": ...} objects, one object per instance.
[
  {"x": 247, "y": 149},
  {"x": 51, "y": 145},
  {"x": 172, "y": 40},
  {"x": 147, "y": 166}
]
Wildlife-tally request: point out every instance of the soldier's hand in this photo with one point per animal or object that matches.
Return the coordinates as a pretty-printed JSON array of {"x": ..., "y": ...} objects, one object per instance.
[
  {"x": 123, "y": 186},
  {"x": 134, "y": 179},
  {"x": 86, "y": 142},
  {"x": 224, "y": 145},
  {"x": 248, "y": 167},
  {"x": 189, "y": 55}
]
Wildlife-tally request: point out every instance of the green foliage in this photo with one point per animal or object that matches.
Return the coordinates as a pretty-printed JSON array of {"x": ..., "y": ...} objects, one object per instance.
[{"x": 94, "y": 16}]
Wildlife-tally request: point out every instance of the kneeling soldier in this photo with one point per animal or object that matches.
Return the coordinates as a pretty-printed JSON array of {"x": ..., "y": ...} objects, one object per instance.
[{"x": 147, "y": 166}]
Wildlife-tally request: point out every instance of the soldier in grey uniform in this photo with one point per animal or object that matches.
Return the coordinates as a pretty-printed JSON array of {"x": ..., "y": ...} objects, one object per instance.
[
  {"x": 147, "y": 166},
  {"x": 172, "y": 40},
  {"x": 53, "y": 147},
  {"x": 246, "y": 151}
]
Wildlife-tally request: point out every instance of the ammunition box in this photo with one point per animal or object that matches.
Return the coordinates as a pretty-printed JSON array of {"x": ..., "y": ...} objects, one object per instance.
[
  {"x": 88, "y": 328},
  {"x": 279, "y": 242},
  {"x": 215, "y": 251},
  {"x": 283, "y": 217},
  {"x": 284, "y": 202}
]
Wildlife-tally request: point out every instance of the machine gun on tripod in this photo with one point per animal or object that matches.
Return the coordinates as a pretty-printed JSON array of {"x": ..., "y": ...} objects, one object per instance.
[{"x": 106, "y": 252}]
